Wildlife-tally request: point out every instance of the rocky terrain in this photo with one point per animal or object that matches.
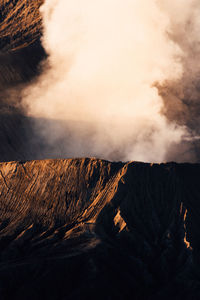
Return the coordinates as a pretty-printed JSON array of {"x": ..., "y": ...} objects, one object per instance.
[
  {"x": 84, "y": 228},
  {"x": 91, "y": 229},
  {"x": 20, "y": 23},
  {"x": 20, "y": 56},
  {"x": 20, "y": 48}
]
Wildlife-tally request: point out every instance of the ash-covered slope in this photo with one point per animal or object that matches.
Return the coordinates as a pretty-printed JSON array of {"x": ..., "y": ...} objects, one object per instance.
[
  {"x": 20, "y": 23},
  {"x": 20, "y": 56},
  {"x": 91, "y": 229},
  {"x": 20, "y": 49}
]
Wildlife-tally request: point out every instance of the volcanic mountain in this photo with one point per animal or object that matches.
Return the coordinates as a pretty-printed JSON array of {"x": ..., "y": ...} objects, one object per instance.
[
  {"x": 91, "y": 229},
  {"x": 20, "y": 55},
  {"x": 85, "y": 228}
]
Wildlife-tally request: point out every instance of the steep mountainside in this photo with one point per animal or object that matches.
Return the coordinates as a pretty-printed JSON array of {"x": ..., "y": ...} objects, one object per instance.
[
  {"x": 20, "y": 49},
  {"x": 84, "y": 228},
  {"x": 20, "y": 56},
  {"x": 20, "y": 23},
  {"x": 91, "y": 229}
]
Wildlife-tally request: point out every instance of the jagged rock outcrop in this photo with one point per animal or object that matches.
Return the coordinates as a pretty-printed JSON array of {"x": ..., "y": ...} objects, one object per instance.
[{"x": 87, "y": 228}]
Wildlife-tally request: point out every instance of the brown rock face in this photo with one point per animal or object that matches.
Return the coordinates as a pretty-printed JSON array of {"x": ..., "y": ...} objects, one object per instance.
[
  {"x": 87, "y": 228},
  {"x": 20, "y": 48},
  {"x": 20, "y": 23},
  {"x": 20, "y": 56}
]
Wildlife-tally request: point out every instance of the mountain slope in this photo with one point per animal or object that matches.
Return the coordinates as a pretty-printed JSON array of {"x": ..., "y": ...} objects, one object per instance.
[
  {"x": 20, "y": 47},
  {"x": 20, "y": 23},
  {"x": 86, "y": 228}
]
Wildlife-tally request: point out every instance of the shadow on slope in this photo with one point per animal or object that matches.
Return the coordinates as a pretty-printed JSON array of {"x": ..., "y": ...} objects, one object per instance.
[{"x": 86, "y": 228}]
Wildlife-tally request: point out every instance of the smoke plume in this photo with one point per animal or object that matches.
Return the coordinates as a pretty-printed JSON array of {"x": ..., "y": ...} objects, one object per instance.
[{"x": 107, "y": 88}]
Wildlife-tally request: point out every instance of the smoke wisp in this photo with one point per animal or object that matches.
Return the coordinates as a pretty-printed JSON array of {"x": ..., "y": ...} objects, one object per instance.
[{"x": 109, "y": 63}]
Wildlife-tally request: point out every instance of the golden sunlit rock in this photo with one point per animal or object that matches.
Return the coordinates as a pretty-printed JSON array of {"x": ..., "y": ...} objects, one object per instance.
[{"x": 108, "y": 79}]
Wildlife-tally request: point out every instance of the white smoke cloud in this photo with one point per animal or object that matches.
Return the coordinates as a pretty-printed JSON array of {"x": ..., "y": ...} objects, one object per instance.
[
  {"x": 104, "y": 58},
  {"x": 184, "y": 18}
]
